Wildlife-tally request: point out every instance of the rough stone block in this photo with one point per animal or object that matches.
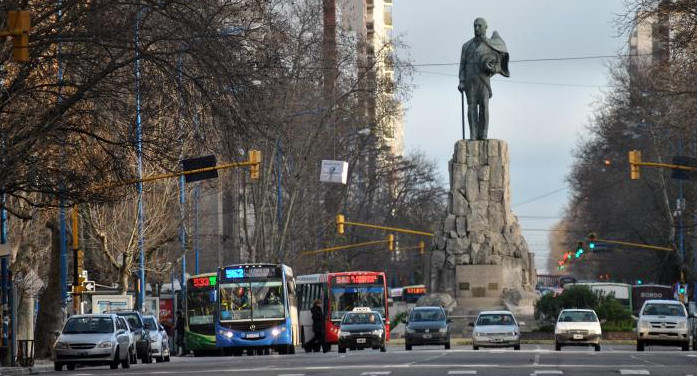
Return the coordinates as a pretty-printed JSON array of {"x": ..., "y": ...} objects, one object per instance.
[
  {"x": 449, "y": 222},
  {"x": 494, "y": 148},
  {"x": 484, "y": 173},
  {"x": 461, "y": 225}
]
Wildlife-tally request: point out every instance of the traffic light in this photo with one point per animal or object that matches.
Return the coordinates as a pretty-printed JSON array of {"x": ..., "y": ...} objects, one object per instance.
[
  {"x": 579, "y": 249},
  {"x": 422, "y": 247},
  {"x": 19, "y": 25},
  {"x": 634, "y": 159},
  {"x": 390, "y": 242},
  {"x": 591, "y": 241},
  {"x": 255, "y": 159},
  {"x": 639, "y": 282},
  {"x": 340, "y": 224}
]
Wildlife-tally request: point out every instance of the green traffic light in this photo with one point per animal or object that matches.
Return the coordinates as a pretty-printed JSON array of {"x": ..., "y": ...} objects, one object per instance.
[
  {"x": 591, "y": 246},
  {"x": 638, "y": 281}
]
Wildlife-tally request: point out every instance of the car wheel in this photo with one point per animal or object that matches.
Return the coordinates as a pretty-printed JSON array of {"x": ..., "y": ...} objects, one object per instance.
[
  {"x": 70, "y": 366},
  {"x": 516, "y": 347},
  {"x": 383, "y": 348},
  {"x": 57, "y": 367},
  {"x": 133, "y": 355},
  {"x": 686, "y": 346},
  {"x": 557, "y": 346},
  {"x": 447, "y": 345},
  {"x": 115, "y": 363},
  {"x": 597, "y": 347},
  {"x": 475, "y": 347},
  {"x": 342, "y": 349},
  {"x": 407, "y": 347},
  {"x": 159, "y": 359},
  {"x": 639, "y": 346}
]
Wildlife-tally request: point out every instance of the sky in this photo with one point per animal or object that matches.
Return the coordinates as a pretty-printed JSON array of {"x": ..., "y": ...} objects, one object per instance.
[{"x": 541, "y": 111}]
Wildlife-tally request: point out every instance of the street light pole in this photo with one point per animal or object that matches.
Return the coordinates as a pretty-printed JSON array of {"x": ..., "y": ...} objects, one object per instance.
[{"x": 139, "y": 153}]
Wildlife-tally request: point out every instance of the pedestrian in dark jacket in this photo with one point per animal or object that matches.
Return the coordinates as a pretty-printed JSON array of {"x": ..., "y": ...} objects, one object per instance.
[
  {"x": 180, "y": 332},
  {"x": 317, "y": 341}
]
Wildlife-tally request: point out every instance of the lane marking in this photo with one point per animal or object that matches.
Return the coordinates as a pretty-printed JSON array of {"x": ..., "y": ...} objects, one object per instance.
[
  {"x": 555, "y": 372},
  {"x": 537, "y": 360},
  {"x": 292, "y": 374},
  {"x": 634, "y": 372},
  {"x": 370, "y": 373},
  {"x": 468, "y": 372}
]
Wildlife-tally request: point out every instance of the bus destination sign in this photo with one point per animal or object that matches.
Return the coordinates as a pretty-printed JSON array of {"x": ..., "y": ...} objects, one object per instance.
[
  {"x": 416, "y": 290},
  {"x": 359, "y": 279},
  {"x": 243, "y": 273},
  {"x": 201, "y": 282}
]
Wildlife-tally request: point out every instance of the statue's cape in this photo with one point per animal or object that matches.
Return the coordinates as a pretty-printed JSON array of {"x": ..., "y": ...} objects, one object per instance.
[{"x": 498, "y": 45}]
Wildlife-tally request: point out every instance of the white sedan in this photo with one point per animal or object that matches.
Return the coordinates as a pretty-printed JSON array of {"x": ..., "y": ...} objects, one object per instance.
[{"x": 159, "y": 343}]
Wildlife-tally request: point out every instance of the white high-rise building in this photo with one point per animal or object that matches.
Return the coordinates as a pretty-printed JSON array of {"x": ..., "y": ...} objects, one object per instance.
[{"x": 371, "y": 20}]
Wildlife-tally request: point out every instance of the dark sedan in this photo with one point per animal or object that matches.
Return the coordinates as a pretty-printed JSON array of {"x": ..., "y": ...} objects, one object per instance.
[
  {"x": 427, "y": 326},
  {"x": 360, "y": 329}
]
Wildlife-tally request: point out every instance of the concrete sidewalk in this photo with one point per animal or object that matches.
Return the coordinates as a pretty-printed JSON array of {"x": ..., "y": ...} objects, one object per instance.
[{"x": 43, "y": 365}]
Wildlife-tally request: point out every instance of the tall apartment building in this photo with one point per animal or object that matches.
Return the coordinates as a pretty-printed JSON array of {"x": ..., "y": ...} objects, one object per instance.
[{"x": 371, "y": 21}]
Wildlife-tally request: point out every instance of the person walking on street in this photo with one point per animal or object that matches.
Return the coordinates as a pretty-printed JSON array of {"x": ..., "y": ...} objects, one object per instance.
[
  {"x": 317, "y": 342},
  {"x": 180, "y": 333}
]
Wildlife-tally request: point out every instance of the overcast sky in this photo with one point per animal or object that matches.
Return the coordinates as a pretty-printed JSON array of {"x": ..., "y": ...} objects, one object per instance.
[{"x": 540, "y": 111}]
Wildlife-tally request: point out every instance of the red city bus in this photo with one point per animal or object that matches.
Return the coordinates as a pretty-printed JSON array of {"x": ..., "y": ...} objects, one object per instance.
[{"x": 339, "y": 293}]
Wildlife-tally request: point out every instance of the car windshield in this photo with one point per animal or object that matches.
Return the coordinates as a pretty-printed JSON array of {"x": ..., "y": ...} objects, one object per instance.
[
  {"x": 495, "y": 319},
  {"x": 664, "y": 310},
  {"x": 427, "y": 315},
  {"x": 133, "y": 321},
  {"x": 578, "y": 316},
  {"x": 78, "y": 325},
  {"x": 360, "y": 318},
  {"x": 150, "y": 321}
]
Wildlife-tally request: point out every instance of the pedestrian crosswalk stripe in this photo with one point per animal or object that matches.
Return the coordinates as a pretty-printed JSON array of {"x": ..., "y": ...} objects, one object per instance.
[
  {"x": 292, "y": 374},
  {"x": 376, "y": 373},
  {"x": 634, "y": 372},
  {"x": 547, "y": 372},
  {"x": 467, "y": 372}
]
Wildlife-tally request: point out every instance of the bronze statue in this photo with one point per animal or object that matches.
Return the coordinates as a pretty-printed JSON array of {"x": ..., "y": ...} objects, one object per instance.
[{"x": 481, "y": 58}]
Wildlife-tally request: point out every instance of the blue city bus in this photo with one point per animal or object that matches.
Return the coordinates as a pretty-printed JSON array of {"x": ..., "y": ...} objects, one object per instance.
[{"x": 257, "y": 309}]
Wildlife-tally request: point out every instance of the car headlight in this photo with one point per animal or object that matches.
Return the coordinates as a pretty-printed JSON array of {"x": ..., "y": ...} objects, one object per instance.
[
  {"x": 377, "y": 332},
  {"x": 410, "y": 330},
  {"x": 443, "y": 330},
  {"x": 275, "y": 332},
  {"x": 344, "y": 334},
  {"x": 105, "y": 345},
  {"x": 643, "y": 324},
  {"x": 61, "y": 345},
  {"x": 560, "y": 331},
  {"x": 682, "y": 325}
]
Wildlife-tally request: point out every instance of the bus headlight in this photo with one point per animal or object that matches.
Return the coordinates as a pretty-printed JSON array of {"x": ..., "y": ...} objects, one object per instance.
[{"x": 275, "y": 332}]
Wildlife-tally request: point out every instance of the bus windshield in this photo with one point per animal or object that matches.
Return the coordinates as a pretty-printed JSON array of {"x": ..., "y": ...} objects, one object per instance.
[
  {"x": 200, "y": 308},
  {"x": 251, "y": 300},
  {"x": 346, "y": 298}
]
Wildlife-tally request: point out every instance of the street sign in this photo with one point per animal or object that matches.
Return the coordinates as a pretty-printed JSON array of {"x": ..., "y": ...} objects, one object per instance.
[
  {"x": 199, "y": 163},
  {"x": 89, "y": 286},
  {"x": 334, "y": 172}
]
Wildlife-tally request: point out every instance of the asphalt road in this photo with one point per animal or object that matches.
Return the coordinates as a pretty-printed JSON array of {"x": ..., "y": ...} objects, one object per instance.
[{"x": 430, "y": 361}]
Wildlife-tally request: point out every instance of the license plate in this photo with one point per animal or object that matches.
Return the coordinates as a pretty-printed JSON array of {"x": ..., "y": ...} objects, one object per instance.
[
  {"x": 360, "y": 340},
  {"x": 83, "y": 353},
  {"x": 252, "y": 335},
  {"x": 496, "y": 340},
  {"x": 578, "y": 336},
  {"x": 427, "y": 336}
]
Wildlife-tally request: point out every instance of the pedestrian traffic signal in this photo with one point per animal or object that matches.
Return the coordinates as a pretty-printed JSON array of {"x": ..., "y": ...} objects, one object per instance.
[
  {"x": 255, "y": 160},
  {"x": 634, "y": 160},
  {"x": 639, "y": 282},
  {"x": 390, "y": 242},
  {"x": 340, "y": 224},
  {"x": 19, "y": 25}
]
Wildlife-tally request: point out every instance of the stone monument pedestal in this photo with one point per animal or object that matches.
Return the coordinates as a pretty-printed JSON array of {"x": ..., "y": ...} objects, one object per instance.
[{"x": 480, "y": 256}]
